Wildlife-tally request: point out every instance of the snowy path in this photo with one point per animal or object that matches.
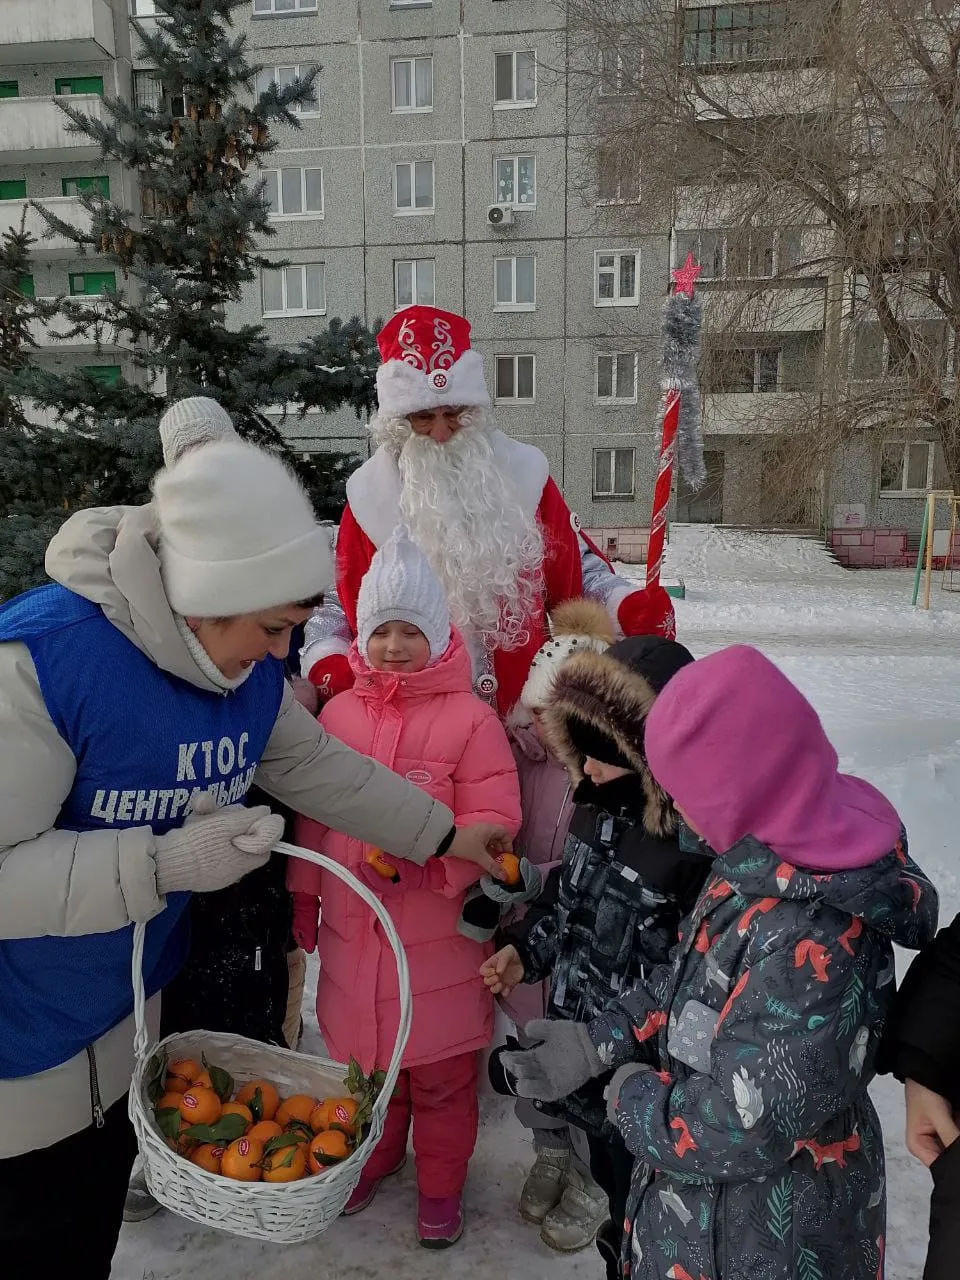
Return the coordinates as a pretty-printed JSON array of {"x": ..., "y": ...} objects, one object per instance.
[{"x": 886, "y": 680}]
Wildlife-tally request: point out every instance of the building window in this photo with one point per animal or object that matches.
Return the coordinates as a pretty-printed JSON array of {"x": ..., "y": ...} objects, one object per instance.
[
  {"x": 515, "y": 181},
  {"x": 79, "y": 84},
  {"x": 146, "y": 90},
  {"x": 743, "y": 370},
  {"x": 9, "y": 89},
  {"x": 409, "y": 4},
  {"x": 79, "y": 186},
  {"x": 515, "y": 283},
  {"x": 143, "y": 8},
  {"x": 515, "y": 379},
  {"x": 265, "y": 7},
  {"x": 616, "y": 279},
  {"x": 515, "y": 79},
  {"x": 148, "y": 95},
  {"x": 618, "y": 175},
  {"x": 413, "y": 282},
  {"x": 621, "y": 69},
  {"x": 613, "y": 473},
  {"x": 413, "y": 187},
  {"x": 732, "y": 34},
  {"x": 412, "y": 80},
  {"x": 88, "y": 284},
  {"x": 293, "y": 193},
  {"x": 616, "y": 378},
  {"x": 742, "y": 253},
  {"x": 13, "y": 188},
  {"x": 108, "y": 374},
  {"x": 906, "y": 467},
  {"x": 294, "y": 291},
  {"x": 283, "y": 77}
]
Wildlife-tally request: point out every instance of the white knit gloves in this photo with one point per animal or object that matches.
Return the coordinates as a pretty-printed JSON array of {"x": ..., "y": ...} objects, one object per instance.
[{"x": 213, "y": 850}]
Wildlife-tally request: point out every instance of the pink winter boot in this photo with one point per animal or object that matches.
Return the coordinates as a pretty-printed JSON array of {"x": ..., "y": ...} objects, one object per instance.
[{"x": 439, "y": 1221}]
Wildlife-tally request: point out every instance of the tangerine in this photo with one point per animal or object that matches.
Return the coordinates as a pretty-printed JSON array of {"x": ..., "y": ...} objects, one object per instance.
[
  {"x": 242, "y": 1160},
  {"x": 203, "y": 1079},
  {"x": 207, "y": 1156},
  {"x": 200, "y": 1106},
  {"x": 237, "y": 1109},
  {"x": 181, "y": 1075},
  {"x": 169, "y": 1101},
  {"x": 335, "y": 1113},
  {"x": 285, "y": 1164},
  {"x": 297, "y": 1107},
  {"x": 269, "y": 1098},
  {"x": 327, "y": 1148},
  {"x": 511, "y": 866},
  {"x": 264, "y": 1130},
  {"x": 376, "y": 859}
]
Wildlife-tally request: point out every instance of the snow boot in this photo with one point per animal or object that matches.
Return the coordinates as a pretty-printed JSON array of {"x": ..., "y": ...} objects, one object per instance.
[
  {"x": 544, "y": 1183},
  {"x": 139, "y": 1204},
  {"x": 365, "y": 1190},
  {"x": 574, "y": 1223},
  {"x": 439, "y": 1221}
]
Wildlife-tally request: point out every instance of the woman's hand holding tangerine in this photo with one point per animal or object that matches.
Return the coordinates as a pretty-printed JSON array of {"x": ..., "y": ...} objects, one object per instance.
[
  {"x": 481, "y": 843},
  {"x": 503, "y": 971}
]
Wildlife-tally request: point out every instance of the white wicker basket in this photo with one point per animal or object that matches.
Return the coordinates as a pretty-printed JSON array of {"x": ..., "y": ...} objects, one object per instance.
[{"x": 283, "y": 1212}]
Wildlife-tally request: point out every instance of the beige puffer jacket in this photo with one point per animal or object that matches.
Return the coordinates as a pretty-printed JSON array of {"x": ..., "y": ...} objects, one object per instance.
[{"x": 58, "y": 882}]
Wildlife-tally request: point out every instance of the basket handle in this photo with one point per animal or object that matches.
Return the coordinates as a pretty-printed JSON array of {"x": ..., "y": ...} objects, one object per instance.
[{"x": 142, "y": 1038}]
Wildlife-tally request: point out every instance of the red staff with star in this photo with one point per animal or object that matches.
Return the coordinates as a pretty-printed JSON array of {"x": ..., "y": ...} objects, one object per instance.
[{"x": 681, "y": 410}]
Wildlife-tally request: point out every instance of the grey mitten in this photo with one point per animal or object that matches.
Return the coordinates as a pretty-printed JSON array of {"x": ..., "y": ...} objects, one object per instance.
[
  {"x": 561, "y": 1063},
  {"x": 488, "y": 901},
  {"x": 213, "y": 850},
  {"x": 531, "y": 882}
]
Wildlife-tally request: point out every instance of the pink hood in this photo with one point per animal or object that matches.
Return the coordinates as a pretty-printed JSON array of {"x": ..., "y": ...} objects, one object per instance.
[{"x": 743, "y": 753}]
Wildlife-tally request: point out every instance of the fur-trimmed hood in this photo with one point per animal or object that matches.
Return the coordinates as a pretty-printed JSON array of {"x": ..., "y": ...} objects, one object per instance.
[{"x": 611, "y": 694}]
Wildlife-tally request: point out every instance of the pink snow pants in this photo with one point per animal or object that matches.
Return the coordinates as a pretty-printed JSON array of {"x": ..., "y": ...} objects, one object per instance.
[{"x": 441, "y": 1099}]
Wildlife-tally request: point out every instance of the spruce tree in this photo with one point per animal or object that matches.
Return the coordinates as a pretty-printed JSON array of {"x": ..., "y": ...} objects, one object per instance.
[
  {"x": 42, "y": 471},
  {"x": 181, "y": 266}
]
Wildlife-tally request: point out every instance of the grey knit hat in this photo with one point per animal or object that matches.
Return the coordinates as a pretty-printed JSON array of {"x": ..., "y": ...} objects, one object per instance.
[{"x": 187, "y": 423}]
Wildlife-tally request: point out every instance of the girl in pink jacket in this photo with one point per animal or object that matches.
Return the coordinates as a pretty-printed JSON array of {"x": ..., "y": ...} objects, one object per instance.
[{"x": 411, "y": 708}]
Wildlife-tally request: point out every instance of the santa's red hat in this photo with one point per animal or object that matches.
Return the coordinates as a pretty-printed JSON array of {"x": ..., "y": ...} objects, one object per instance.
[{"x": 428, "y": 362}]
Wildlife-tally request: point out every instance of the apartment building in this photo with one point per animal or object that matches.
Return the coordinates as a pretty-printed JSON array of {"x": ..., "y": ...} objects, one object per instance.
[
  {"x": 796, "y": 308},
  {"x": 79, "y": 48},
  {"x": 447, "y": 158},
  {"x": 440, "y": 163}
]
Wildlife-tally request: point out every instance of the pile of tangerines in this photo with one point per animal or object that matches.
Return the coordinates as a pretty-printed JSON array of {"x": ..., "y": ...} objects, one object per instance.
[{"x": 251, "y": 1134}]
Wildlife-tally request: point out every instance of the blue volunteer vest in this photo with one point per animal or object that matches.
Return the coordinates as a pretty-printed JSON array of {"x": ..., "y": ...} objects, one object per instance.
[{"x": 146, "y": 744}]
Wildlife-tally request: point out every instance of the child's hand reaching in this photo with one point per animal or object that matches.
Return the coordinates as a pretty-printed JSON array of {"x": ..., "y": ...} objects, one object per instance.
[{"x": 503, "y": 971}]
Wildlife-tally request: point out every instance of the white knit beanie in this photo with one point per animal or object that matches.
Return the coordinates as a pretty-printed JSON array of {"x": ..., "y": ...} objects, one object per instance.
[
  {"x": 196, "y": 420},
  {"x": 400, "y": 586},
  {"x": 237, "y": 533},
  {"x": 575, "y": 625}
]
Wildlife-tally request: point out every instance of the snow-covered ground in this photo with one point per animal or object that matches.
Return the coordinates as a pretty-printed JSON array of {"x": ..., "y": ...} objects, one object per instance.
[{"x": 886, "y": 680}]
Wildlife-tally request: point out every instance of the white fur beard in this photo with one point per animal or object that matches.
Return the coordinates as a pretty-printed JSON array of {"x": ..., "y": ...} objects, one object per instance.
[{"x": 467, "y": 518}]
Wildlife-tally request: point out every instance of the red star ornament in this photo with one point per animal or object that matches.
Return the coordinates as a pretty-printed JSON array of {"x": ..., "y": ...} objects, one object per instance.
[{"x": 685, "y": 277}]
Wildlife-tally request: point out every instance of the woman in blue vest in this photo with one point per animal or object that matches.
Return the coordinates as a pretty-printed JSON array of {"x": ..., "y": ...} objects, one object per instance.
[{"x": 141, "y": 694}]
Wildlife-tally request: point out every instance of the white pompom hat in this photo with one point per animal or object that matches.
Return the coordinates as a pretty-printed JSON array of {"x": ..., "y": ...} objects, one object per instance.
[
  {"x": 575, "y": 625},
  {"x": 191, "y": 422},
  {"x": 400, "y": 586},
  {"x": 237, "y": 533}
]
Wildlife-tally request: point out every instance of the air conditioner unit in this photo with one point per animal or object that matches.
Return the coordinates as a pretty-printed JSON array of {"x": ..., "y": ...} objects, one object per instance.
[{"x": 500, "y": 215}]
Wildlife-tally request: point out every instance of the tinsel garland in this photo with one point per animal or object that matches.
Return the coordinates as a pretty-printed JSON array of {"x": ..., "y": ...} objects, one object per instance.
[{"x": 682, "y": 318}]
